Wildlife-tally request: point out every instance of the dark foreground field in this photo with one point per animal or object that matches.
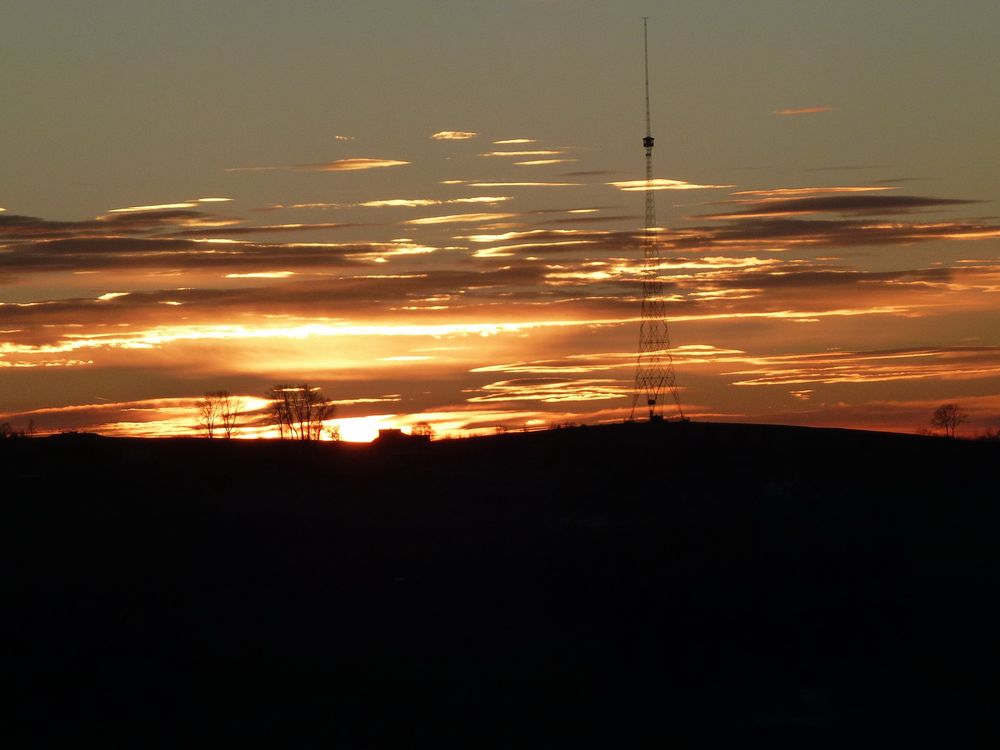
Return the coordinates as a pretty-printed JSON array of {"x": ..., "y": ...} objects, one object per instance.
[{"x": 624, "y": 583}]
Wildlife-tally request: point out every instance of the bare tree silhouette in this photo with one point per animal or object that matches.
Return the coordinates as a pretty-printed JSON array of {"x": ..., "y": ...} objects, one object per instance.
[
  {"x": 209, "y": 413},
  {"x": 299, "y": 410},
  {"x": 231, "y": 409},
  {"x": 948, "y": 417}
]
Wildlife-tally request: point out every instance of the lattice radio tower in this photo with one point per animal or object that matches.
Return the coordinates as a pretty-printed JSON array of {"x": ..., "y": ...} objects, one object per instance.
[{"x": 654, "y": 371}]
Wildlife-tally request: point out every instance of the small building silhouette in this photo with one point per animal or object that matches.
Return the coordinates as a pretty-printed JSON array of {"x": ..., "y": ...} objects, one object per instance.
[{"x": 395, "y": 436}]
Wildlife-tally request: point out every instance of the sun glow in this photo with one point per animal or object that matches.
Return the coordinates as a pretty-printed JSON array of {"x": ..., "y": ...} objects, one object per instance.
[{"x": 362, "y": 429}]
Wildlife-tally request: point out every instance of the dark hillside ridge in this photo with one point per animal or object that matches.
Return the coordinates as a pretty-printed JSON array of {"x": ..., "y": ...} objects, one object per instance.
[{"x": 622, "y": 581}]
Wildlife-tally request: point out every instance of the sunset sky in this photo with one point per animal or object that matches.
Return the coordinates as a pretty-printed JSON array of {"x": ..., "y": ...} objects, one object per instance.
[{"x": 430, "y": 209}]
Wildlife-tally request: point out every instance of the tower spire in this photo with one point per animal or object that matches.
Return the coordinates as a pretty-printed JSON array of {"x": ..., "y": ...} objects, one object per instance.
[{"x": 654, "y": 372}]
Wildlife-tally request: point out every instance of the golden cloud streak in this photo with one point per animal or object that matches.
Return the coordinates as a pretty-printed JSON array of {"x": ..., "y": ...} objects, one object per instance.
[
  {"x": 800, "y": 192},
  {"x": 162, "y": 335},
  {"x": 459, "y": 218},
  {"x": 512, "y": 141},
  {"x": 156, "y": 207},
  {"x": 537, "y": 152},
  {"x": 527, "y": 233},
  {"x": 395, "y": 247},
  {"x": 866, "y": 374},
  {"x": 552, "y": 391},
  {"x": 540, "y": 162},
  {"x": 794, "y": 369},
  {"x": 350, "y": 165},
  {"x": 525, "y": 184},
  {"x": 802, "y": 316},
  {"x": 421, "y": 202},
  {"x": 870, "y": 367},
  {"x": 663, "y": 184},
  {"x": 453, "y": 135},
  {"x": 802, "y": 111},
  {"x": 505, "y": 250},
  {"x": 261, "y": 275}
]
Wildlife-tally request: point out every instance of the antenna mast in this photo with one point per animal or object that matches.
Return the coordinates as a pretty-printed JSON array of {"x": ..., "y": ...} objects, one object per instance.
[{"x": 654, "y": 372}]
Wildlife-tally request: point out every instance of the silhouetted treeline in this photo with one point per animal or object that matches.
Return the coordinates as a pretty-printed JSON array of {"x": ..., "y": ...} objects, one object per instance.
[{"x": 617, "y": 584}]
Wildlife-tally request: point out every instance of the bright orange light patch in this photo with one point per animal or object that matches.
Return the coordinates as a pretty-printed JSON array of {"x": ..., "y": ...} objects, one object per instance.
[{"x": 362, "y": 429}]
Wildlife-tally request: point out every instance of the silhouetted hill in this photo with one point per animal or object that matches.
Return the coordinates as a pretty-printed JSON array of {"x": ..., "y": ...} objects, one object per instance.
[{"x": 619, "y": 582}]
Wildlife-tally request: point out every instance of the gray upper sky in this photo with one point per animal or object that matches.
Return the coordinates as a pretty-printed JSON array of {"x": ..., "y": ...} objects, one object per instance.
[{"x": 116, "y": 102}]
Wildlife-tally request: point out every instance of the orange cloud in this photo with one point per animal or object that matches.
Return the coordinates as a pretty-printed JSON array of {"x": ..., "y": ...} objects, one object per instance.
[
  {"x": 261, "y": 275},
  {"x": 453, "y": 135},
  {"x": 942, "y": 364},
  {"x": 838, "y": 203},
  {"x": 539, "y": 162},
  {"x": 350, "y": 165},
  {"x": 663, "y": 184},
  {"x": 808, "y": 191},
  {"x": 802, "y": 111},
  {"x": 459, "y": 218},
  {"x": 525, "y": 184},
  {"x": 552, "y": 390},
  {"x": 156, "y": 207},
  {"x": 538, "y": 152},
  {"x": 419, "y": 202}
]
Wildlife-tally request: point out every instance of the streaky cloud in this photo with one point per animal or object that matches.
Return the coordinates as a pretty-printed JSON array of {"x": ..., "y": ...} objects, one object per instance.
[
  {"x": 525, "y": 184},
  {"x": 15, "y": 227},
  {"x": 663, "y": 184},
  {"x": 845, "y": 204},
  {"x": 421, "y": 202},
  {"x": 350, "y": 165},
  {"x": 810, "y": 191},
  {"x": 460, "y": 218},
  {"x": 541, "y": 162},
  {"x": 537, "y": 152},
  {"x": 260, "y": 275},
  {"x": 453, "y": 135},
  {"x": 156, "y": 207},
  {"x": 259, "y": 229},
  {"x": 802, "y": 111},
  {"x": 847, "y": 168},
  {"x": 946, "y": 363}
]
